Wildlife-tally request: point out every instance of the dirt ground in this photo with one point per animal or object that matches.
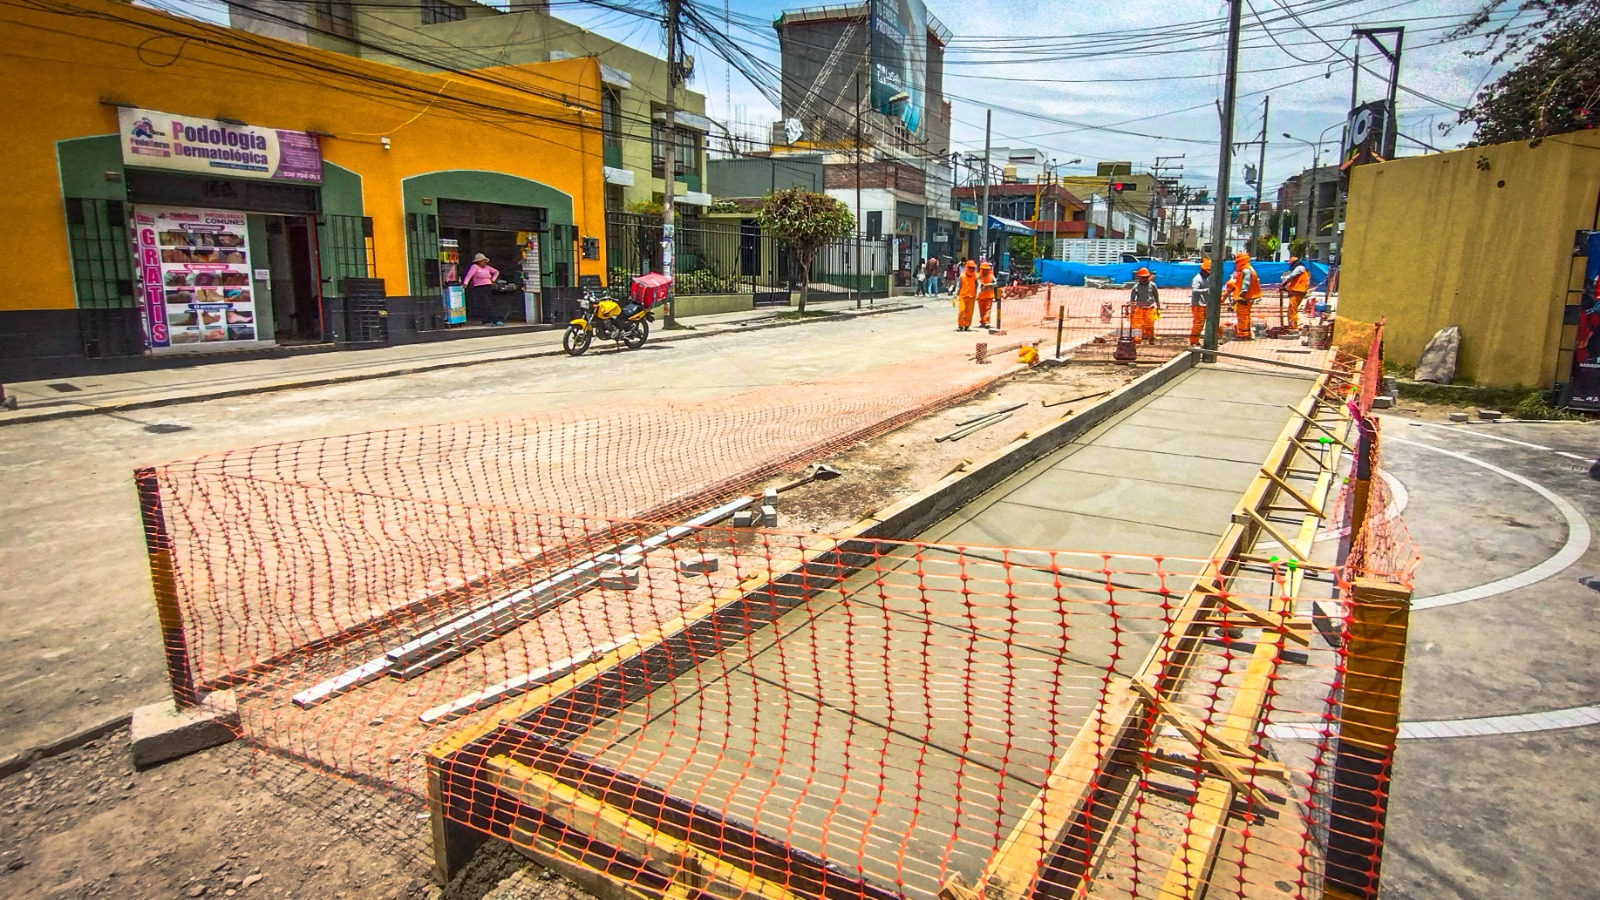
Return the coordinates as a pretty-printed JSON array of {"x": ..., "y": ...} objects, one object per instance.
[{"x": 237, "y": 822}]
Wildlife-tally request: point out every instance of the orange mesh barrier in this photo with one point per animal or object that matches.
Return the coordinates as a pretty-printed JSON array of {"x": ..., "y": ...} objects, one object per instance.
[{"x": 478, "y": 614}]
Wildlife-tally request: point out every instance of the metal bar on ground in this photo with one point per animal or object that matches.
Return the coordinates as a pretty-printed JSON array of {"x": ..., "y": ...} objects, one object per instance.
[{"x": 163, "y": 580}]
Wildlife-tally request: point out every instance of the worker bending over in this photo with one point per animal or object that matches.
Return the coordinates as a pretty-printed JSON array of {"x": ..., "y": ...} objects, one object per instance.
[
  {"x": 1146, "y": 302},
  {"x": 1199, "y": 297},
  {"x": 1245, "y": 288},
  {"x": 966, "y": 295},
  {"x": 986, "y": 289},
  {"x": 1296, "y": 283}
]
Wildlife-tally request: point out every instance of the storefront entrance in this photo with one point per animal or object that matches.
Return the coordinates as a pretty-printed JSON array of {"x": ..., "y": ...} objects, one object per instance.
[
  {"x": 513, "y": 238},
  {"x": 295, "y": 287}
]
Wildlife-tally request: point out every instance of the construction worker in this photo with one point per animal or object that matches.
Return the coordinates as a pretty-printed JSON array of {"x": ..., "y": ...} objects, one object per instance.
[
  {"x": 1296, "y": 283},
  {"x": 986, "y": 292},
  {"x": 966, "y": 295},
  {"x": 1245, "y": 289},
  {"x": 1199, "y": 295},
  {"x": 1145, "y": 301}
]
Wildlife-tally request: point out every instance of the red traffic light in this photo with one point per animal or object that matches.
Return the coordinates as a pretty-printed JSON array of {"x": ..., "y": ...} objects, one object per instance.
[{"x": 1120, "y": 186}]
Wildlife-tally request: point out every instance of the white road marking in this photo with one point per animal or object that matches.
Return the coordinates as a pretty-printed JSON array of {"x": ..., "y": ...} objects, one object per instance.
[
  {"x": 1576, "y": 545},
  {"x": 1493, "y": 437},
  {"x": 1486, "y": 726}
]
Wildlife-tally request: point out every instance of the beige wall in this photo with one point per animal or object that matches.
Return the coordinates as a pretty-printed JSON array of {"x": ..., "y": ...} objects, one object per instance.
[{"x": 1480, "y": 238}]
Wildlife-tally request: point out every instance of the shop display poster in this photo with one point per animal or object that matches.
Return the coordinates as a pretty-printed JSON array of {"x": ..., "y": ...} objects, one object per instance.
[{"x": 194, "y": 269}]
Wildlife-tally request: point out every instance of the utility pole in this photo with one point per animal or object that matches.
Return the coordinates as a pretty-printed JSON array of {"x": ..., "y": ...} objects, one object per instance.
[
  {"x": 669, "y": 161},
  {"x": 859, "y": 217},
  {"x": 1261, "y": 176},
  {"x": 1311, "y": 216},
  {"x": 1219, "y": 218},
  {"x": 988, "y": 119}
]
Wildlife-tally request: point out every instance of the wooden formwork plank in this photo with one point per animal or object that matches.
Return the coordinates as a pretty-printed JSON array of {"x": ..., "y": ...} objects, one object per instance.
[
  {"x": 689, "y": 869},
  {"x": 1189, "y": 871}
]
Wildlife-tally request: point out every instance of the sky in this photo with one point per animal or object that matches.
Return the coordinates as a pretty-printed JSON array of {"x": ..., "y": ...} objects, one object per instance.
[{"x": 1134, "y": 80}]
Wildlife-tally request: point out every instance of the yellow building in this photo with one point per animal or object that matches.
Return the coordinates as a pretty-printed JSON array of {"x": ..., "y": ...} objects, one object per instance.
[
  {"x": 254, "y": 177},
  {"x": 1482, "y": 238}
]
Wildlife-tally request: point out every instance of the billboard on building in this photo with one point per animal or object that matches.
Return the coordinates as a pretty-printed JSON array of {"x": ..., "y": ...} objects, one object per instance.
[{"x": 898, "y": 54}]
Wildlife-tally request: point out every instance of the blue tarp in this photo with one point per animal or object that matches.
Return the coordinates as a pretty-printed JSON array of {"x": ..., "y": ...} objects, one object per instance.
[{"x": 1167, "y": 275}]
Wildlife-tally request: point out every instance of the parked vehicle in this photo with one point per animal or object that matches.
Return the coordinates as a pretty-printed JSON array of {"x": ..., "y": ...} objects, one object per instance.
[{"x": 627, "y": 323}]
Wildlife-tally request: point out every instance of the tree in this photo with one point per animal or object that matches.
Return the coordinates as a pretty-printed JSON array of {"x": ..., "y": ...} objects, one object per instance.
[
  {"x": 805, "y": 221},
  {"x": 1554, "y": 88},
  {"x": 1021, "y": 253}
]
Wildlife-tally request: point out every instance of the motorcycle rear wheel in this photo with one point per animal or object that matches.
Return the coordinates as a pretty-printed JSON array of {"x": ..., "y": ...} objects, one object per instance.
[
  {"x": 636, "y": 334},
  {"x": 576, "y": 340}
]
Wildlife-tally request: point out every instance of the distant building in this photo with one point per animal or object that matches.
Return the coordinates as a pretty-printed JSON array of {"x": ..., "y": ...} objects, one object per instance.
[
  {"x": 903, "y": 178},
  {"x": 439, "y": 35},
  {"x": 1312, "y": 196}
]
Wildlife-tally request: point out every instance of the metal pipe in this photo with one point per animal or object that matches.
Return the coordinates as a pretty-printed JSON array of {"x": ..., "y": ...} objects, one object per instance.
[{"x": 163, "y": 579}]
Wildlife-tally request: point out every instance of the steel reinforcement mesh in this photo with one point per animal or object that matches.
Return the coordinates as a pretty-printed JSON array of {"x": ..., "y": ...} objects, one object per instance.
[{"x": 519, "y": 605}]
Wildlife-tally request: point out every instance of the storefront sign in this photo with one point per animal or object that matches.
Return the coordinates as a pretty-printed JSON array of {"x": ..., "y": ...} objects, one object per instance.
[
  {"x": 969, "y": 216},
  {"x": 158, "y": 140},
  {"x": 194, "y": 270}
]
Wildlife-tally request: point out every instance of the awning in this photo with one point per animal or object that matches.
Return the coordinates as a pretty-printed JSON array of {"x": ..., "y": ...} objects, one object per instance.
[
  {"x": 614, "y": 175},
  {"x": 692, "y": 198},
  {"x": 1008, "y": 226}
]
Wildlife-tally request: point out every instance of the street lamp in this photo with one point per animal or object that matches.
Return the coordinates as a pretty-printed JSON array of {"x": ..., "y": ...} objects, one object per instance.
[{"x": 1316, "y": 165}]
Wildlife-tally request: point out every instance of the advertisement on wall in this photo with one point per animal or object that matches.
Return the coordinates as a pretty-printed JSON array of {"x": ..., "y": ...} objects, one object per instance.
[
  {"x": 453, "y": 294},
  {"x": 898, "y": 49},
  {"x": 158, "y": 140},
  {"x": 1583, "y": 388},
  {"x": 194, "y": 269}
]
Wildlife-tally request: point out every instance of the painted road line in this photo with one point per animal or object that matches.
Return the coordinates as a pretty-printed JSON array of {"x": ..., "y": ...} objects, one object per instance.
[
  {"x": 1493, "y": 437},
  {"x": 1486, "y": 726},
  {"x": 1576, "y": 545}
]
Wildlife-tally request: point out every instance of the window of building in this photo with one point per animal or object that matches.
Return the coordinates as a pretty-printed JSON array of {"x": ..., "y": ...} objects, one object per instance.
[
  {"x": 335, "y": 16},
  {"x": 611, "y": 115},
  {"x": 436, "y": 11},
  {"x": 689, "y": 144}
]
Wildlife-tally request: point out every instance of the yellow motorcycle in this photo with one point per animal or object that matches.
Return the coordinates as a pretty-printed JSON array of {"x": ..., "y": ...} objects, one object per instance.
[{"x": 627, "y": 323}]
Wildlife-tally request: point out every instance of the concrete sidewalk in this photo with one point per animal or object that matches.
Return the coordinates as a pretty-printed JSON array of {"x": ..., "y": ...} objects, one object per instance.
[{"x": 189, "y": 383}]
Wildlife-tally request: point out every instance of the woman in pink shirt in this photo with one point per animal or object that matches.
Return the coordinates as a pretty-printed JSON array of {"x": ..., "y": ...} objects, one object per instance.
[{"x": 479, "y": 282}]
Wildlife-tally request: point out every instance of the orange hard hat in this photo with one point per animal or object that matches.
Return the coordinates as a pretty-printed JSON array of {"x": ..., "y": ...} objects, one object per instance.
[
  {"x": 971, "y": 264},
  {"x": 1205, "y": 264},
  {"x": 1143, "y": 272},
  {"x": 1241, "y": 257},
  {"x": 984, "y": 265}
]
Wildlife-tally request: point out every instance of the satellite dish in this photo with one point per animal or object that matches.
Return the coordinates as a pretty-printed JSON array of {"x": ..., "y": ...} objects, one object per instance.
[
  {"x": 1361, "y": 128},
  {"x": 792, "y": 130}
]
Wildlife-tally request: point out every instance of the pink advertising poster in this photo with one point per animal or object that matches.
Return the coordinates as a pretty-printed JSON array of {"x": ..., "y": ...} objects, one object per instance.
[{"x": 194, "y": 269}]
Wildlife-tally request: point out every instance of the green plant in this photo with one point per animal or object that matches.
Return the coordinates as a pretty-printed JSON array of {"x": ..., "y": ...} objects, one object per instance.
[
  {"x": 1536, "y": 406},
  {"x": 805, "y": 221}
]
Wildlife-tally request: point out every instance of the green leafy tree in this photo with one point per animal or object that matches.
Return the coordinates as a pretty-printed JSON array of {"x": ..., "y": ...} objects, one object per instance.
[
  {"x": 1021, "y": 253},
  {"x": 1555, "y": 86},
  {"x": 805, "y": 221}
]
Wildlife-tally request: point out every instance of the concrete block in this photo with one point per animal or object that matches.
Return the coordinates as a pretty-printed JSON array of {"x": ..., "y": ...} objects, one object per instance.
[
  {"x": 1391, "y": 385},
  {"x": 161, "y": 731},
  {"x": 1459, "y": 417},
  {"x": 769, "y": 517},
  {"x": 744, "y": 519},
  {"x": 1383, "y": 401},
  {"x": 769, "y": 497},
  {"x": 619, "y": 580},
  {"x": 1490, "y": 415},
  {"x": 705, "y": 565}
]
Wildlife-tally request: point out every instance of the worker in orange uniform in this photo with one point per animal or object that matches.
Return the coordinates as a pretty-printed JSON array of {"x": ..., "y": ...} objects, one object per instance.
[
  {"x": 1145, "y": 301},
  {"x": 986, "y": 292},
  {"x": 1245, "y": 289},
  {"x": 1296, "y": 283},
  {"x": 1199, "y": 299},
  {"x": 966, "y": 295}
]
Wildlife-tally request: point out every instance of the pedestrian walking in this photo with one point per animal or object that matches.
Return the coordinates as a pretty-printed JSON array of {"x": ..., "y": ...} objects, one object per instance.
[
  {"x": 1245, "y": 289},
  {"x": 952, "y": 275},
  {"x": 1199, "y": 300},
  {"x": 1145, "y": 300},
  {"x": 1296, "y": 283},
  {"x": 920, "y": 276},
  {"x": 479, "y": 283},
  {"x": 933, "y": 276},
  {"x": 966, "y": 296}
]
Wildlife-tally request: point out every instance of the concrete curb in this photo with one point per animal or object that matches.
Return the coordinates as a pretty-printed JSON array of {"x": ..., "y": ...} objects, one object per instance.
[
  {"x": 26, "y": 418},
  {"x": 23, "y": 760}
]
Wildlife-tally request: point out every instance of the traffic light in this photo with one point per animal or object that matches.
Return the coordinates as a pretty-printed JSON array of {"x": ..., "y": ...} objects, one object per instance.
[{"x": 1121, "y": 186}]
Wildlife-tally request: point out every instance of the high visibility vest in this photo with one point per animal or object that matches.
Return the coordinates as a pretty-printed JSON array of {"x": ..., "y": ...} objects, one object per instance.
[
  {"x": 968, "y": 289},
  {"x": 1246, "y": 284},
  {"x": 1299, "y": 281}
]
